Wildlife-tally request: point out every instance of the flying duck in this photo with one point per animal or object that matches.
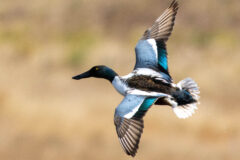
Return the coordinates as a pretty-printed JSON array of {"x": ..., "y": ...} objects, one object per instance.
[{"x": 149, "y": 83}]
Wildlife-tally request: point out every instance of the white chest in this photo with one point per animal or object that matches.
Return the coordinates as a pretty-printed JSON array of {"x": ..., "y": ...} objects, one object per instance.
[{"x": 120, "y": 85}]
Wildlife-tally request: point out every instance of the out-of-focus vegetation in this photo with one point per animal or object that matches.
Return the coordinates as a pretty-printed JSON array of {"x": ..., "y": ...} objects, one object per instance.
[{"x": 45, "y": 115}]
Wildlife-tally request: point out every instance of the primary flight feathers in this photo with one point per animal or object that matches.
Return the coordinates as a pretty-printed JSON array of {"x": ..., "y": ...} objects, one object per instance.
[{"x": 163, "y": 26}]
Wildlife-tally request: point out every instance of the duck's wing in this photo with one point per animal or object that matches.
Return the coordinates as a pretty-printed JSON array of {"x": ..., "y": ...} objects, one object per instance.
[
  {"x": 151, "y": 50},
  {"x": 128, "y": 120}
]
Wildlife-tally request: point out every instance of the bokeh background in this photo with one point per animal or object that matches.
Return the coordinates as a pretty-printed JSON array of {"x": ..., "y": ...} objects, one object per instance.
[{"x": 45, "y": 115}]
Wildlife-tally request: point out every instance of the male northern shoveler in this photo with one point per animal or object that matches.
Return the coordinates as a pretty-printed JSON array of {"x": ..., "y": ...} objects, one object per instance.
[{"x": 149, "y": 83}]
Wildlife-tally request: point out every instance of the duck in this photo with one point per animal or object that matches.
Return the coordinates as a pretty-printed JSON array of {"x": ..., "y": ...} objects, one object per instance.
[{"x": 148, "y": 84}]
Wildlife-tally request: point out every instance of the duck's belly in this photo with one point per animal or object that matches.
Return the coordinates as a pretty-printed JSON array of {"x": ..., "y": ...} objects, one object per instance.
[
  {"x": 149, "y": 84},
  {"x": 142, "y": 85}
]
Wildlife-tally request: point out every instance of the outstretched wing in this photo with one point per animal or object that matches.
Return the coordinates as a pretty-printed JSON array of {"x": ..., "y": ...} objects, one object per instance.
[
  {"x": 128, "y": 120},
  {"x": 151, "y": 50}
]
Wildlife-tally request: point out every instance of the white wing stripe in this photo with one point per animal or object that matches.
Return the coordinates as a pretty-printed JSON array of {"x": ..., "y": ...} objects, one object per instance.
[
  {"x": 153, "y": 43},
  {"x": 130, "y": 114}
]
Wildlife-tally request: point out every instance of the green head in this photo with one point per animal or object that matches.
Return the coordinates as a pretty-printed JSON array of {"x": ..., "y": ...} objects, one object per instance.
[{"x": 98, "y": 72}]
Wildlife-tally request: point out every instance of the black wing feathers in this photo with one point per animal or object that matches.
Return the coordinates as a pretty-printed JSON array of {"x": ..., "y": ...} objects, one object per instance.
[{"x": 129, "y": 132}]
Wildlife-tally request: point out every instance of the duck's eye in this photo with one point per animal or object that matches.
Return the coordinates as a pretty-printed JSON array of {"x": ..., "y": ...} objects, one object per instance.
[{"x": 96, "y": 68}]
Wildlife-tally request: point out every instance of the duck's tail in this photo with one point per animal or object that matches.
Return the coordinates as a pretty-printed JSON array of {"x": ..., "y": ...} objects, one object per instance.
[{"x": 187, "y": 98}]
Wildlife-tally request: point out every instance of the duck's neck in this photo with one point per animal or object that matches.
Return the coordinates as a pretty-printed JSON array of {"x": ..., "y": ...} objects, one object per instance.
[{"x": 109, "y": 74}]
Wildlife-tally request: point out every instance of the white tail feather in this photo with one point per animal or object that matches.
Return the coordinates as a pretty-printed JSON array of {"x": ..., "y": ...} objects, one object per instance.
[
  {"x": 187, "y": 110},
  {"x": 191, "y": 86}
]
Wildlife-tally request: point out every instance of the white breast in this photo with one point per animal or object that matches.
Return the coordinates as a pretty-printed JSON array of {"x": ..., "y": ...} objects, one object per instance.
[{"x": 120, "y": 85}]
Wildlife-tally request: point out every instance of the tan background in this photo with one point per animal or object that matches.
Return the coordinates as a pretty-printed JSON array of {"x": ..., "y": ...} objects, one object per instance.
[{"x": 45, "y": 115}]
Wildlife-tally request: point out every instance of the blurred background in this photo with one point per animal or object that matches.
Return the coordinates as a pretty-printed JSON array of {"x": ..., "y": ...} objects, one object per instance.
[{"x": 45, "y": 115}]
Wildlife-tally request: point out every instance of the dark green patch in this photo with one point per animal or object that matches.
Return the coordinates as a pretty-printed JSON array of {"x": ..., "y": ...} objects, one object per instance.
[{"x": 147, "y": 103}]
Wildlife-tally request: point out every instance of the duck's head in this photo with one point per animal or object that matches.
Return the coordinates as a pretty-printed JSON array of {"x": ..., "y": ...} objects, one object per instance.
[{"x": 98, "y": 72}]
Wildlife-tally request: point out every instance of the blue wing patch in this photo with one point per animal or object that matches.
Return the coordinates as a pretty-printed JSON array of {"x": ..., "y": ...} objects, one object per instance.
[
  {"x": 129, "y": 105},
  {"x": 145, "y": 55},
  {"x": 152, "y": 53},
  {"x": 162, "y": 58},
  {"x": 147, "y": 103}
]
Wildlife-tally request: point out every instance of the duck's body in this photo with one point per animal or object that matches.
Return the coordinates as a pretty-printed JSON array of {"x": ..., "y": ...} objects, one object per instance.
[{"x": 149, "y": 83}]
